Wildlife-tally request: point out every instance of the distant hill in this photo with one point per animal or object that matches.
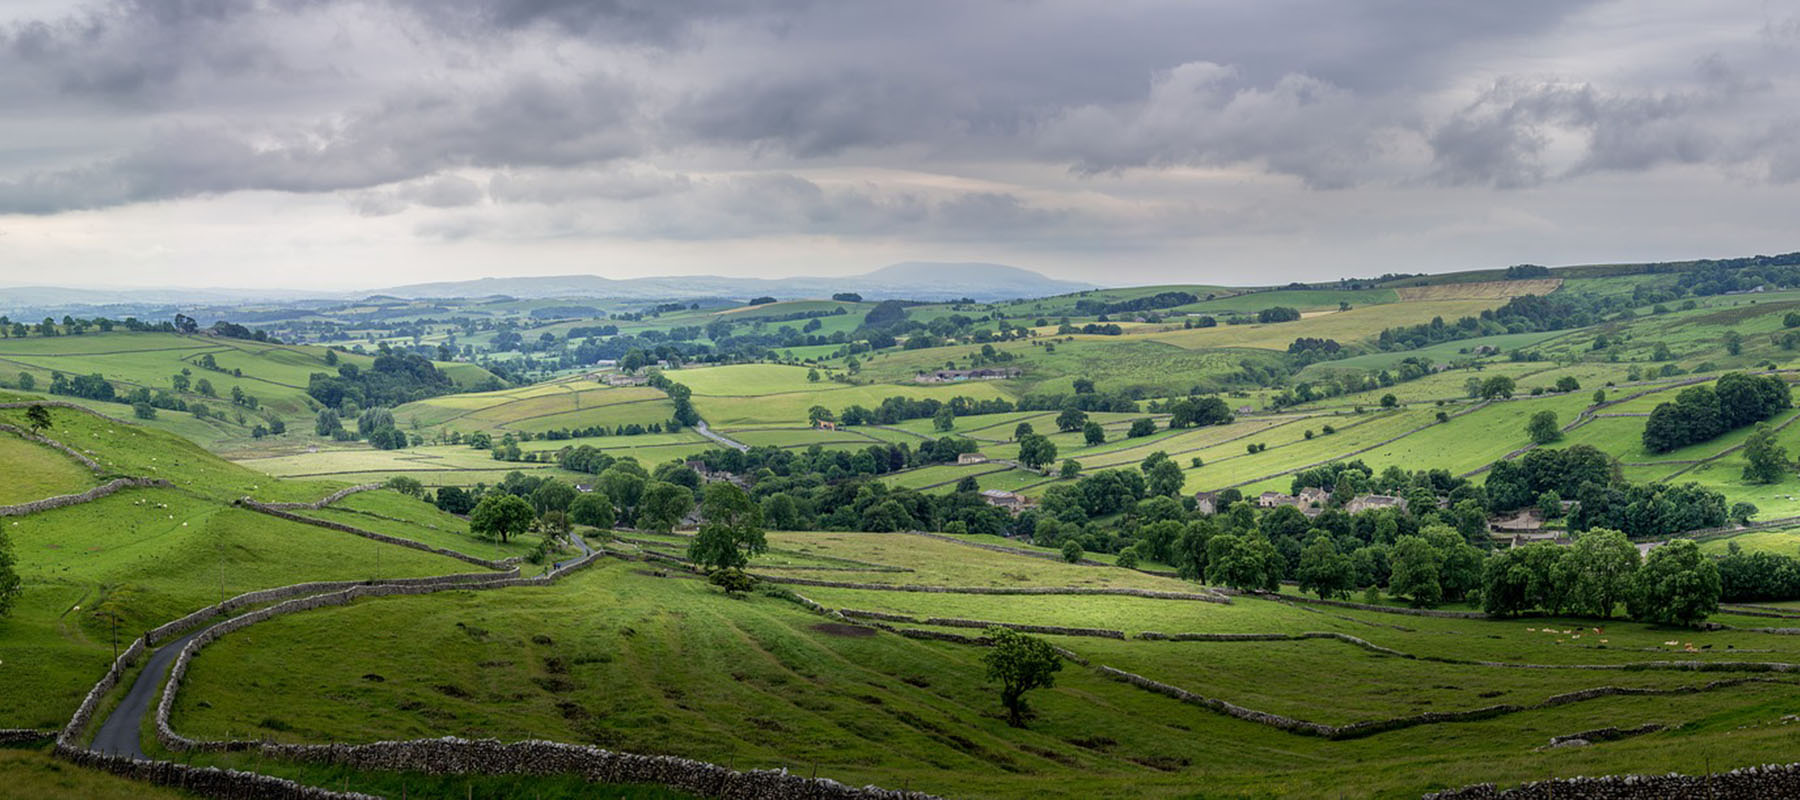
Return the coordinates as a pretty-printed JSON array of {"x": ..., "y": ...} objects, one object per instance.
[{"x": 912, "y": 280}]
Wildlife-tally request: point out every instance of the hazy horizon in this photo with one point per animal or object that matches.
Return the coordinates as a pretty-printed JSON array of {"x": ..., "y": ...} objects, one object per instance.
[{"x": 337, "y": 146}]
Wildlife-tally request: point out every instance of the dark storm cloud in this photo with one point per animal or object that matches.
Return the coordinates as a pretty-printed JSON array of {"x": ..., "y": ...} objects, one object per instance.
[{"x": 544, "y": 93}]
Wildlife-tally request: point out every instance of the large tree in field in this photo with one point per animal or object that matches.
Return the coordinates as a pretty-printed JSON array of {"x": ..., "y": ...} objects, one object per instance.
[
  {"x": 663, "y": 506},
  {"x": 1765, "y": 460},
  {"x": 1415, "y": 577},
  {"x": 501, "y": 516},
  {"x": 592, "y": 509},
  {"x": 732, "y": 531},
  {"x": 1597, "y": 571},
  {"x": 1543, "y": 428},
  {"x": 1324, "y": 570},
  {"x": 1071, "y": 419},
  {"x": 1020, "y": 663},
  {"x": 1676, "y": 586},
  {"x": 37, "y": 417},
  {"x": 1036, "y": 451}
]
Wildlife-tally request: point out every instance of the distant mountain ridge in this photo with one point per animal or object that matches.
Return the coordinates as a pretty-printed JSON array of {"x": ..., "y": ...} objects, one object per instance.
[{"x": 910, "y": 280}]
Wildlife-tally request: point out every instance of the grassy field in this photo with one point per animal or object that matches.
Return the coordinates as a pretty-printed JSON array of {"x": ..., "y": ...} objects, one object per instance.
[
  {"x": 631, "y": 661},
  {"x": 1350, "y": 326},
  {"x": 275, "y": 374},
  {"x": 35, "y": 472},
  {"x": 34, "y": 773}
]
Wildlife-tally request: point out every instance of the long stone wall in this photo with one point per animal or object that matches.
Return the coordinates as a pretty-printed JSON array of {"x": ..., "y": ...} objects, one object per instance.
[
  {"x": 88, "y": 496},
  {"x": 453, "y": 756},
  {"x": 223, "y": 784},
  {"x": 1017, "y": 551},
  {"x": 1020, "y": 590},
  {"x": 490, "y": 757},
  {"x": 1411, "y": 612},
  {"x": 1748, "y": 783},
  {"x": 78, "y": 722},
  {"x": 49, "y": 442},
  {"x": 170, "y": 629},
  {"x": 379, "y": 537},
  {"x": 328, "y": 499},
  {"x": 1357, "y": 730},
  {"x": 12, "y": 736}
]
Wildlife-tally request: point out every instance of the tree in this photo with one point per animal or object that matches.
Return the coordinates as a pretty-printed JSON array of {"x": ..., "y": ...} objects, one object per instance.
[
  {"x": 592, "y": 509},
  {"x": 1071, "y": 419},
  {"x": 1070, "y": 469},
  {"x": 1020, "y": 663},
  {"x": 1415, "y": 572},
  {"x": 623, "y": 483},
  {"x": 1141, "y": 427},
  {"x": 1765, "y": 460},
  {"x": 1324, "y": 570},
  {"x": 1389, "y": 400},
  {"x": 1498, "y": 387},
  {"x": 663, "y": 505},
  {"x": 944, "y": 419},
  {"x": 1036, "y": 451},
  {"x": 1165, "y": 478},
  {"x": 1597, "y": 571},
  {"x": 812, "y": 375},
  {"x": 733, "y": 529},
  {"x": 1676, "y": 586},
  {"x": 1599, "y": 396},
  {"x": 1072, "y": 552},
  {"x": 552, "y": 495},
  {"x": 38, "y": 417},
  {"x": 454, "y": 500},
  {"x": 1022, "y": 430},
  {"x": 1244, "y": 562},
  {"x": 1543, "y": 428},
  {"x": 327, "y": 423},
  {"x": 501, "y": 516},
  {"x": 406, "y": 486},
  {"x": 26, "y": 382},
  {"x": 1093, "y": 433}
]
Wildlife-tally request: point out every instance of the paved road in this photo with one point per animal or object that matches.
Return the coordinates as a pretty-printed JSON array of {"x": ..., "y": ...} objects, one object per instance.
[
  {"x": 119, "y": 733},
  {"x": 585, "y": 552},
  {"x": 700, "y": 427}
]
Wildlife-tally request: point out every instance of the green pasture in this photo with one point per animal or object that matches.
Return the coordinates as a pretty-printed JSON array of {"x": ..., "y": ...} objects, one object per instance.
[
  {"x": 1303, "y": 299},
  {"x": 35, "y": 471},
  {"x": 649, "y": 664}
]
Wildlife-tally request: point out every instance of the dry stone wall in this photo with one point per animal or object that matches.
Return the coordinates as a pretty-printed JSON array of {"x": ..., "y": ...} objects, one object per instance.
[
  {"x": 328, "y": 500},
  {"x": 273, "y": 511},
  {"x": 453, "y": 756},
  {"x": 49, "y": 442},
  {"x": 1020, "y": 590},
  {"x": 1749, "y": 783},
  {"x": 222, "y": 784},
  {"x": 88, "y": 496}
]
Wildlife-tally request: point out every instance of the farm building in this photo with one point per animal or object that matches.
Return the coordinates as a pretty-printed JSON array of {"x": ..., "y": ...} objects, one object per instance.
[
  {"x": 971, "y": 458},
  {"x": 1206, "y": 502},
  {"x": 1369, "y": 502},
  {"x": 958, "y": 375},
  {"x": 1314, "y": 497},
  {"x": 825, "y": 425},
  {"x": 619, "y": 379},
  {"x": 1276, "y": 500},
  {"x": 1008, "y": 500}
]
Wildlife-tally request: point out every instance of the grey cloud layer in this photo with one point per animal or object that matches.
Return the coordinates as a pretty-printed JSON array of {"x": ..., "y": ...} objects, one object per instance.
[{"x": 393, "y": 102}]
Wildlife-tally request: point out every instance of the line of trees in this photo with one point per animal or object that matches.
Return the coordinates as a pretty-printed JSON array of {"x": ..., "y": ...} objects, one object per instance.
[{"x": 1701, "y": 413}]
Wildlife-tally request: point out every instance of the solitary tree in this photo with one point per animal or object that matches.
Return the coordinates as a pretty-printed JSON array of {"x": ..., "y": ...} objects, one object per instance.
[
  {"x": 944, "y": 419},
  {"x": 37, "y": 417},
  {"x": 1765, "y": 460},
  {"x": 1036, "y": 451},
  {"x": 1020, "y": 663},
  {"x": 1093, "y": 433},
  {"x": 501, "y": 516},
  {"x": 1072, "y": 552},
  {"x": 1542, "y": 428},
  {"x": 733, "y": 529},
  {"x": 1071, "y": 419}
]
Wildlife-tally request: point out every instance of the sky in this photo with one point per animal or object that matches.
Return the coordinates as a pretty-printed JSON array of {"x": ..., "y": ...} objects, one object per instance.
[{"x": 347, "y": 144}]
